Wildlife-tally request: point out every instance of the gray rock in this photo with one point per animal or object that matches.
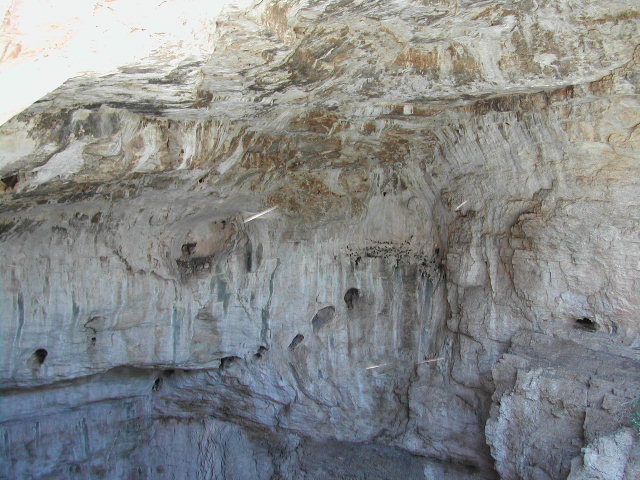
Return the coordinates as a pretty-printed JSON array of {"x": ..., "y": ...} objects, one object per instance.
[{"x": 445, "y": 289}]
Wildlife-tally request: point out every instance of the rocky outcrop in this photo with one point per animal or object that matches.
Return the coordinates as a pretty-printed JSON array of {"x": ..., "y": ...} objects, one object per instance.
[
  {"x": 443, "y": 287},
  {"x": 556, "y": 399}
]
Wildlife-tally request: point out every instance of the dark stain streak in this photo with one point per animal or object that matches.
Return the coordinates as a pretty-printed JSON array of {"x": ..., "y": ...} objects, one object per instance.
[
  {"x": 297, "y": 340},
  {"x": 265, "y": 311}
]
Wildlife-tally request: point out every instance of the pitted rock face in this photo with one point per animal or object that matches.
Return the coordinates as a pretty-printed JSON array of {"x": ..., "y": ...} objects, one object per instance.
[{"x": 323, "y": 239}]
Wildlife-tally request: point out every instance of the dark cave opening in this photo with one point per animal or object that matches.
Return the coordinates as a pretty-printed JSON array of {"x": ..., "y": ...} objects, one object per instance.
[
  {"x": 587, "y": 324},
  {"x": 40, "y": 355}
]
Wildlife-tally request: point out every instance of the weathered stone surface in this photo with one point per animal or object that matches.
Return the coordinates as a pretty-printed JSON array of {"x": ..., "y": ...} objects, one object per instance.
[
  {"x": 554, "y": 396},
  {"x": 445, "y": 289},
  {"x": 612, "y": 456}
]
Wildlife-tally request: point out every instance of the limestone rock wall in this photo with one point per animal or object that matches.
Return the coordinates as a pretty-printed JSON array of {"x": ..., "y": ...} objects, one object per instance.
[{"x": 445, "y": 289}]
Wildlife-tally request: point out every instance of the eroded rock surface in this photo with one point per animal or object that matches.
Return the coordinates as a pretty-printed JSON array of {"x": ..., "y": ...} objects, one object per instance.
[
  {"x": 446, "y": 287},
  {"x": 555, "y": 397}
]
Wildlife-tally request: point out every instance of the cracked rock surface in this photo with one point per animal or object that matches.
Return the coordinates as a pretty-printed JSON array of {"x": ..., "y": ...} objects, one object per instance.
[{"x": 447, "y": 286}]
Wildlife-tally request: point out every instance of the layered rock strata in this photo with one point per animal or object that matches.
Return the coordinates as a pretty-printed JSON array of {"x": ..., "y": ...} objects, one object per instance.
[{"x": 445, "y": 289}]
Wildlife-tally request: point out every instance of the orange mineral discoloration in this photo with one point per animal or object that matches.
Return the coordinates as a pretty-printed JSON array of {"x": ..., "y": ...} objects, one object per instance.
[
  {"x": 265, "y": 152},
  {"x": 395, "y": 145},
  {"x": 423, "y": 62},
  {"x": 465, "y": 67},
  {"x": 276, "y": 19},
  {"x": 318, "y": 121},
  {"x": 307, "y": 196}
]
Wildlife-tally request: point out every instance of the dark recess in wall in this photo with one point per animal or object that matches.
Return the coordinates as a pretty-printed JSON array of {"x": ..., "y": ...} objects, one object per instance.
[
  {"x": 322, "y": 317},
  {"x": 587, "y": 324},
  {"x": 40, "y": 355},
  {"x": 10, "y": 180},
  {"x": 351, "y": 297},
  {"x": 297, "y": 340}
]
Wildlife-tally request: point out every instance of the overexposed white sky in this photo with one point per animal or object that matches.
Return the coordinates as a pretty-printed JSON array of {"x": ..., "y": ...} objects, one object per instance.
[{"x": 45, "y": 42}]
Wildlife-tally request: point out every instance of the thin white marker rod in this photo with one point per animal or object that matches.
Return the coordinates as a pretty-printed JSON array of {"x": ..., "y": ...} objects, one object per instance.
[
  {"x": 430, "y": 360},
  {"x": 461, "y": 205},
  {"x": 376, "y": 366},
  {"x": 258, "y": 215}
]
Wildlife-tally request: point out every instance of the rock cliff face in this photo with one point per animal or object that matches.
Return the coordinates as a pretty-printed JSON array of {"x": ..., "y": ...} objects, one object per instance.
[{"x": 447, "y": 286}]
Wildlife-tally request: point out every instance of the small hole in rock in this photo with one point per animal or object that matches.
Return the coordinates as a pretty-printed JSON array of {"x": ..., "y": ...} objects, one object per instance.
[
  {"x": 40, "y": 355},
  {"x": 10, "y": 181},
  {"x": 261, "y": 351},
  {"x": 322, "y": 317},
  {"x": 188, "y": 249},
  {"x": 157, "y": 384},
  {"x": 168, "y": 372},
  {"x": 351, "y": 297},
  {"x": 226, "y": 361},
  {"x": 297, "y": 340},
  {"x": 587, "y": 324},
  {"x": 93, "y": 340}
]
